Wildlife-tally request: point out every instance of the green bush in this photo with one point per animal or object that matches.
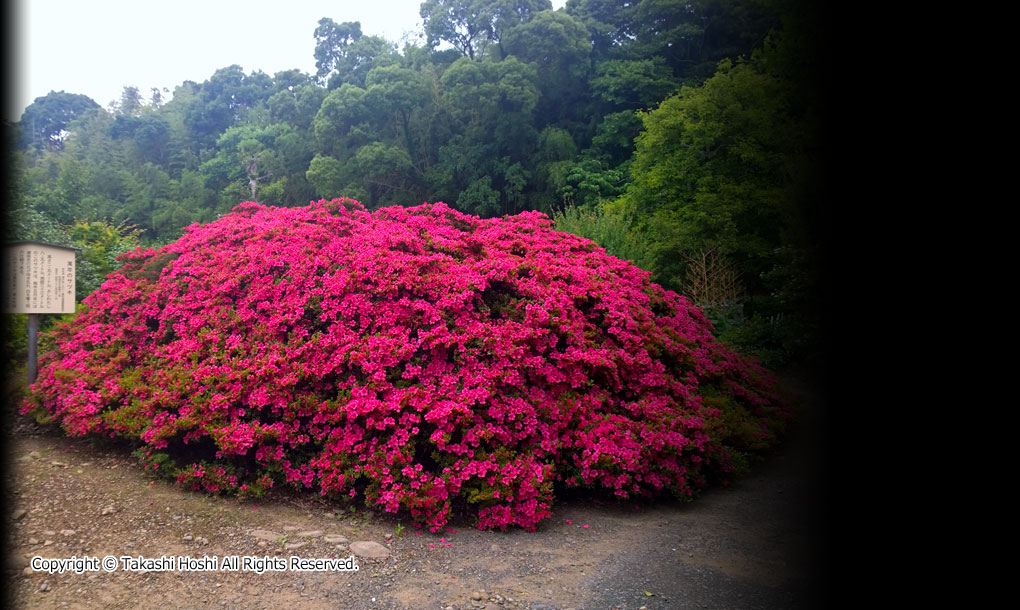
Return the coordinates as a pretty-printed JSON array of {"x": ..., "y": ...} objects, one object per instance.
[{"x": 609, "y": 228}]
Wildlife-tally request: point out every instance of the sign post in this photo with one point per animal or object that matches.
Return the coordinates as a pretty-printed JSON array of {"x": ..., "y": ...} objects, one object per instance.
[
  {"x": 33, "y": 352},
  {"x": 38, "y": 278}
]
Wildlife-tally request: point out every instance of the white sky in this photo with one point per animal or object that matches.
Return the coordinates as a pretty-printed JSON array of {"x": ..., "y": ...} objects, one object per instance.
[{"x": 98, "y": 47}]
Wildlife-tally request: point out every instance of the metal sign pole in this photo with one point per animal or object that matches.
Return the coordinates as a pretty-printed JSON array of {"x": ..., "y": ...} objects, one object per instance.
[{"x": 33, "y": 335}]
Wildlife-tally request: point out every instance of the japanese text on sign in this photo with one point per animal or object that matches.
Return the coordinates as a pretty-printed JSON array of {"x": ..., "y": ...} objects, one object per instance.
[{"x": 38, "y": 278}]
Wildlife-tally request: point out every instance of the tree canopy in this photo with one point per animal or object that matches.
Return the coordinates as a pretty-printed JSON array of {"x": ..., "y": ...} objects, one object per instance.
[{"x": 44, "y": 123}]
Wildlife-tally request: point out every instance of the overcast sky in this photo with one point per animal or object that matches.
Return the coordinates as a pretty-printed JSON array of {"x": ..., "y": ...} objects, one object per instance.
[{"x": 97, "y": 47}]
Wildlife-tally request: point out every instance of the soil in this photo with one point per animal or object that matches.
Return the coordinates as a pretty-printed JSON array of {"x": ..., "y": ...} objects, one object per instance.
[{"x": 752, "y": 545}]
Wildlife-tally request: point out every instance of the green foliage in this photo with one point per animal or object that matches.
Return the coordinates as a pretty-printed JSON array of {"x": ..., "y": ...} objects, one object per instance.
[
  {"x": 480, "y": 197},
  {"x": 610, "y": 228},
  {"x": 589, "y": 182},
  {"x": 45, "y": 121},
  {"x": 474, "y": 26},
  {"x": 344, "y": 56},
  {"x": 296, "y": 106},
  {"x": 100, "y": 243},
  {"x": 613, "y": 142},
  {"x": 384, "y": 170},
  {"x": 774, "y": 334},
  {"x": 726, "y": 166},
  {"x": 491, "y": 108},
  {"x": 341, "y": 121},
  {"x": 331, "y": 43},
  {"x": 712, "y": 169},
  {"x": 25, "y": 223},
  {"x": 507, "y": 106},
  {"x": 15, "y": 333},
  {"x": 557, "y": 45},
  {"x": 220, "y": 102},
  {"x": 327, "y": 176},
  {"x": 634, "y": 83}
]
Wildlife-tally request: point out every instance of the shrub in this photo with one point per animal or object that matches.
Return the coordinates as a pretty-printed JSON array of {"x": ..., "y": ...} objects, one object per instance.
[{"x": 418, "y": 356}]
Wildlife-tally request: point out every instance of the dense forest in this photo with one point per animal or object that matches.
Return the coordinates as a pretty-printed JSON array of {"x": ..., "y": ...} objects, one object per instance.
[{"x": 680, "y": 135}]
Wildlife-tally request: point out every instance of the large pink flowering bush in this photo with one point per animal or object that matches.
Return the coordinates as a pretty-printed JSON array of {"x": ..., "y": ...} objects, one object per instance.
[{"x": 418, "y": 356}]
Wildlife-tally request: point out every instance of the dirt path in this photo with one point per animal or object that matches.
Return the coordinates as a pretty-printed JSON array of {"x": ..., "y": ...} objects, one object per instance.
[{"x": 749, "y": 546}]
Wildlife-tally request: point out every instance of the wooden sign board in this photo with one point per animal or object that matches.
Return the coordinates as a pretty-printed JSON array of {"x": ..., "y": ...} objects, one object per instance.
[{"x": 38, "y": 278}]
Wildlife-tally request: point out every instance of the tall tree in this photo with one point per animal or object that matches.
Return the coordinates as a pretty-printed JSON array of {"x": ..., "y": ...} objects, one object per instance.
[
  {"x": 344, "y": 55},
  {"x": 222, "y": 102},
  {"x": 248, "y": 165},
  {"x": 397, "y": 94},
  {"x": 147, "y": 136},
  {"x": 332, "y": 40},
  {"x": 491, "y": 108},
  {"x": 45, "y": 120},
  {"x": 692, "y": 35},
  {"x": 557, "y": 44},
  {"x": 472, "y": 25},
  {"x": 610, "y": 23},
  {"x": 130, "y": 102},
  {"x": 721, "y": 166}
]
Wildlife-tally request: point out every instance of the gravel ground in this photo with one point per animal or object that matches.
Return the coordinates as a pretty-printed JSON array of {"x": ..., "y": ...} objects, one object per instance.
[{"x": 753, "y": 545}]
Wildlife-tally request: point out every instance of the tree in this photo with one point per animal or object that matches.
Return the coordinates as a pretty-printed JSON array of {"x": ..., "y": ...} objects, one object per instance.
[
  {"x": 558, "y": 46},
  {"x": 456, "y": 22},
  {"x": 471, "y": 25},
  {"x": 289, "y": 80},
  {"x": 157, "y": 96},
  {"x": 341, "y": 122},
  {"x": 149, "y": 191},
  {"x": 480, "y": 198},
  {"x": 146, "y": 135},
  {"x": 100, "y": 243},
  {"x": 634, "y": 84},
  {"x": 719, "y": 167},
  {"x": 222, "y": 101},
  {"x": 344, "y": 55},
  {"x": 490, "y": 108},
  {"x": 327, "y": 176},
  {"x": 331, "y": 43},
  {"x": 613, "y": 143},
  {"x": 396, "y": 94},
  {"x": 295, "y": 150},
  {"x": 588, "y": 183},
  {"x": 506, "y": 15},
  {"x": 248, "y": 165},
  {"x": 385, "y": 170},
  {"x": 45, "y": 121},
  {"x": 610, "y": 23},
  {"x": 296, "y": 105},
  {"x": 94, "y": 140},
  {"x": 556, "y": 151},
  {"x": 255, "y": 180},
  {"x": 693, "y": 35},
  {"x": 130, "y": 102}
]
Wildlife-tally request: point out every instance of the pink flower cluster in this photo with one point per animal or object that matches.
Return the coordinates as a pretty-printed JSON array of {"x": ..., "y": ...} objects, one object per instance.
[{"x": 421, "y": 357}]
